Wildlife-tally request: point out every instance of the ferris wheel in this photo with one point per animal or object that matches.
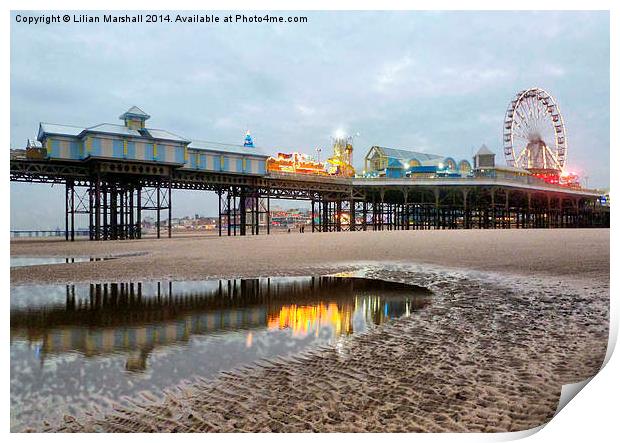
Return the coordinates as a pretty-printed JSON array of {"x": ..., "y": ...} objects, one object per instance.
[{"x": 534, "y": 133}]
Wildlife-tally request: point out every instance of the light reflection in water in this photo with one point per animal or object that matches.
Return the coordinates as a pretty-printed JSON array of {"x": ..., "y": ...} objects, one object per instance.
[
  {"x": 303, "y": 320},
  {"x": 121, "y": 338}
]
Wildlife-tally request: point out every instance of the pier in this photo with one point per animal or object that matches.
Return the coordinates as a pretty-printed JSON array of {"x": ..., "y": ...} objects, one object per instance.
[
  {"x": 115, "y": 194},
  {"x": 115, "y": 174}
]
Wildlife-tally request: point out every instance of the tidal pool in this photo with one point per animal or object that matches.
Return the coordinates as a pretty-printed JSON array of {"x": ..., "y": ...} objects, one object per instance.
[
  {"x": 76, "y": 346},
  {"x": 19, "y": 261}
]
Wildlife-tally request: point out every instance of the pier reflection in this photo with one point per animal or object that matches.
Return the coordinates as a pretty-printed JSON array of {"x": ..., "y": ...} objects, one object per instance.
[
  {"x": 135, "y": 318},
  {"x": 75, "y": 346}
]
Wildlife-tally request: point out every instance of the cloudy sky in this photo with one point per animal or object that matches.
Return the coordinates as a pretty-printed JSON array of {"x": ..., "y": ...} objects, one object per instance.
[{"x": 433, "y": 82}]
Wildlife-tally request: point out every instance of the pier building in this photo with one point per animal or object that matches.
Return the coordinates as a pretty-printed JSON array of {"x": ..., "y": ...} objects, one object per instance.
[
  {"x": 133, "y": 141},
  {"x": 398, "y": 163}
]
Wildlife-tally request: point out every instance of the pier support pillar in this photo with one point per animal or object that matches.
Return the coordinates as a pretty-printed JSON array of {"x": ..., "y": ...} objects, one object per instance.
[
  {"x": 506, "y": 224},
  {"x": 437, "y": 221},
  {"x": 268, "y": 215},
  {"x": 170, "y": 206},
  {"x": 230, "y": 222},
  {"x": 67, "y": 186},
  {"x": 364, "y": 215},
  {"x": 242, "y": 212},
  {"x": 465, "y": 193},
  {"x": 97, "y": 204},
  {"x": 139, "y": 209},
  {"x": 528, "y": 214},
  {"x": 405, "y": 210},
  {"x": 493, "y": 212},
  {"x": 219, "y": 212},
  {"x": 339, "y": 215},
  {"x": 381, "y": 209},
  {"x": 325, "y": 216},
  {"x": 70, "y": 209},
  {"x": 352, "y": 215},
  {"x": 158, "y": 210}
]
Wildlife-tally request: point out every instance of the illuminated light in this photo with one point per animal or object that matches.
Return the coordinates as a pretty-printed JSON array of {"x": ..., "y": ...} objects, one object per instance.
[
  {"x": 295, "y": 163},
  {"x": 298, "y": 163},
  {"x": 341, "y": 162},
  {"x": 440, "y": 166},
  {"x": 248, "y": 142},
  {"x": 340, "y": 133},
  {"x": 303, "y": 320},
  {"x": 248, "y": 340}
]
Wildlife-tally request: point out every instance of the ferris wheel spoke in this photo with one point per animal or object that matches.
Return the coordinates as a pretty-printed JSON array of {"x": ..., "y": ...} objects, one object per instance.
[
  {"x": 538, "y": 114},
  {"x": 521, "y": 132},
  {"x": 531, "y": 103},
  {"x": 533, "y": 113},
  {"x": 517, "y": 125},
  {"x": 527, "y": 112},
  {"x": 542, "y": 113},
  {"x": 523, "y": 120},
  {"x": 520, "y": 135},
  {"x": 525, "y": 140}
]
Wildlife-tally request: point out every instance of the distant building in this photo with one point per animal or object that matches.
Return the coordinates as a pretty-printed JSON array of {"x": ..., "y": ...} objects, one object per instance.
[{"x": 290, "y": 217}]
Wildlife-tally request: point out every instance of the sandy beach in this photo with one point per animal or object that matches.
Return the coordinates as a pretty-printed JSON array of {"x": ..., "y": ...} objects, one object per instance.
[
  {"x": 579, "y": 253},
  {"x": 515, "y": 315}
]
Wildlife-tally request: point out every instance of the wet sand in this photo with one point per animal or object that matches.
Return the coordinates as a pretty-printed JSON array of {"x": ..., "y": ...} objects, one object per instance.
[
  {"x": 582, "y": 253},
  {"x": 515, "y": 315}
]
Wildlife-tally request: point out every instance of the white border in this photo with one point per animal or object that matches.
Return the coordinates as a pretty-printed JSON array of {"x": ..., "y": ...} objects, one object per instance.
[{"x": 591, "y": 416}]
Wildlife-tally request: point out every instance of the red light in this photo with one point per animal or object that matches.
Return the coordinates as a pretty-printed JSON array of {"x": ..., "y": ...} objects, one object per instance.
[{"x": 553, "y": 177}]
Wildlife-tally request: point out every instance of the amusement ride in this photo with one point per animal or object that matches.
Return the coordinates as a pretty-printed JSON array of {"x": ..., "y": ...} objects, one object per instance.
[
  {"x": 535, "y": 137},
  {"x": 339, "y": 164}
]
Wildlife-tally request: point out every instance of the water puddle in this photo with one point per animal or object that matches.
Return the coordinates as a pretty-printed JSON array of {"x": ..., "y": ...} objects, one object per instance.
[
  {"x": 75, "y": 346},
  {"x": 21, "y": 261},
  {"x": 18, "y": 262}
]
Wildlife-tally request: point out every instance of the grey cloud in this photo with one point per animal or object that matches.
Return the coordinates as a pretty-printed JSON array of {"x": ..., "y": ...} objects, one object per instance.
[{"x": 445, "y": 75}]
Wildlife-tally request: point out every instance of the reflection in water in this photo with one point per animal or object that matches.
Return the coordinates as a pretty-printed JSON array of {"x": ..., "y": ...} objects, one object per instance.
[
  {"x": 120, "y": 317},
  {"x": 305, "y": 319},
  {"x": 166, "y": 332},
  {"x": 17, "y": 262}
]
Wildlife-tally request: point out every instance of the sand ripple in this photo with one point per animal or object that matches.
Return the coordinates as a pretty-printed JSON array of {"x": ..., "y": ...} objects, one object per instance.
[{"x": 490, "y": 354}]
